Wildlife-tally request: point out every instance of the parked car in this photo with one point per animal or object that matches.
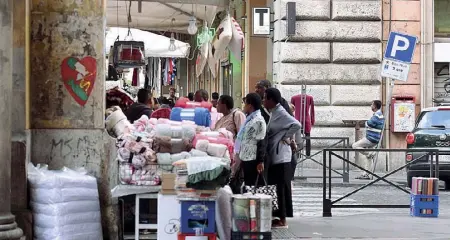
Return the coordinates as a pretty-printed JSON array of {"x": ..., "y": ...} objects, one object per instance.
[{"x": 432, "y": 130}]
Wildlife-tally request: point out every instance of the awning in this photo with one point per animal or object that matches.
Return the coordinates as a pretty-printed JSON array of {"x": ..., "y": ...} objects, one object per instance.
[
  {"x": 157, "y": 15},
  {"x": 155, "y": 45}
]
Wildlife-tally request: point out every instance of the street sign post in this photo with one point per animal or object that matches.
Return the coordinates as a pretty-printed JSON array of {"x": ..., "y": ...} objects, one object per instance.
[
  {"x": 398, "y": 56},
  {"x": 397, "y": 59}
]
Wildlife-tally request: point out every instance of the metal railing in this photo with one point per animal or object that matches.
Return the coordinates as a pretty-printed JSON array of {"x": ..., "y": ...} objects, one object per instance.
[
  {"x": 328, "y": 204},
  {"x": 344, "y": 142}
]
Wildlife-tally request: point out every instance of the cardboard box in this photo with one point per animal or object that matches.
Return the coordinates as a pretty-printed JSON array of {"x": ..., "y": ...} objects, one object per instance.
[{"x": 168, "y": 181}]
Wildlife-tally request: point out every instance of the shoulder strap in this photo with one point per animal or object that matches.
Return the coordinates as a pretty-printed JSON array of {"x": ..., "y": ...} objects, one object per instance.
[{"x": 234, "y": 121}]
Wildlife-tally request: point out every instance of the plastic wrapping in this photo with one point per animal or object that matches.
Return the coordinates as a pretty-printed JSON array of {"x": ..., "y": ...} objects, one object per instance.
[
  {"x": 117, "y": 123},
  {"x": 65, "y": 204}
]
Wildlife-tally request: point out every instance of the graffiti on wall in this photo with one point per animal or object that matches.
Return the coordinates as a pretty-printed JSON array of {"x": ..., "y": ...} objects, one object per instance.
[
  {"x": 79, "y": 77},
  {"x": 83, "y": 148}
]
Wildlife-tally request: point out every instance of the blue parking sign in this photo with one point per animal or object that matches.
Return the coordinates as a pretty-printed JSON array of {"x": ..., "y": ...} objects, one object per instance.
[{"x": 400, "y": 47}]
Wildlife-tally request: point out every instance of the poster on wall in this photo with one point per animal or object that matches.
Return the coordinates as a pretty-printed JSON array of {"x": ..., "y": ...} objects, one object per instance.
[{"x": 404, "y": 116}]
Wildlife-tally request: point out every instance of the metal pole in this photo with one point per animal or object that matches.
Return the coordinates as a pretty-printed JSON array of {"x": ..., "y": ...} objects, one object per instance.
[
  {"x": 386, "y": 117},
  {"x": 303, "y": 122}
]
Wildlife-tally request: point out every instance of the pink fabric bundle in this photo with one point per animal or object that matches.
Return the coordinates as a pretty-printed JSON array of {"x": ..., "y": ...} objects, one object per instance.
[
  {"x": 185, "y": 103},
  {"x": 218, "y": 140}
]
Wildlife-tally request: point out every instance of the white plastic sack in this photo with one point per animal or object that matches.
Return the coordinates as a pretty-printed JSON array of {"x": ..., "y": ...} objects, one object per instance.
[
  {"x": 212, "y": 62},
  {"x": 41, "y": 177},
  {"x": 48, "y": 221},
  {"x": 117, "y": 123},
  {"x": 84, "y": 231},
  {"x": 50, "y": 196},
  {"x": 65, "y": 204},
  {"x": 223, "y": 37},
  {"x": 65, "y": 208},
  {"x": 237, "y": 41},
  {"x": 202, "y": 58},
  {"x": 223, "y": 212}
]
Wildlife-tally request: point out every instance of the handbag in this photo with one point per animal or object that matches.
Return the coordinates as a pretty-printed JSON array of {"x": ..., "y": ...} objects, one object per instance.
[{"x": 270, "y": 190}]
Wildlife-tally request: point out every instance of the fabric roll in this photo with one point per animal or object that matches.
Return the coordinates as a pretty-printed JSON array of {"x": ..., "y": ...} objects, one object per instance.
[{"x": 199, "y": 116}]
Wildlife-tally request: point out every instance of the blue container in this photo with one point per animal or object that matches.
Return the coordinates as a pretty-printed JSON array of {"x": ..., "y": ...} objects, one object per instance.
[
  {"x": 424, "y": 205},
  {"x": 198, "y": 214}
]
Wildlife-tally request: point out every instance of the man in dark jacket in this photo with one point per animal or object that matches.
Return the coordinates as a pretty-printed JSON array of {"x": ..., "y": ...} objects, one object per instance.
[
  {"x": 139, "y": 108},
  {"x": 260, "y": 89}
]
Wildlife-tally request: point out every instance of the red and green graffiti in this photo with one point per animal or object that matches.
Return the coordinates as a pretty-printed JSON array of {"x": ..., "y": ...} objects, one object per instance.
[{"x": 79, "y": 77}]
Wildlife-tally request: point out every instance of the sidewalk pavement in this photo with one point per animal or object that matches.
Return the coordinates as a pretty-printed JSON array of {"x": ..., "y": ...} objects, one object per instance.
[
  {"x": 313, "y": 177},
  {"x": 367, "y": 226}
]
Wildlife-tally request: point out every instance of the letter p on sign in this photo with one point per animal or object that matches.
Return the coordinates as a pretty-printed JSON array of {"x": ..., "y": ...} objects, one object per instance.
[
  {"x": 400, "y": 47},
  {"x": 397, "y": 46}
]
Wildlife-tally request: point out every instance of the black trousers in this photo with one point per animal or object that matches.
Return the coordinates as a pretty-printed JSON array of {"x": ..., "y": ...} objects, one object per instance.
[
  {"x": 308, "y": 144},
  {"x": 281, "y": 176}
]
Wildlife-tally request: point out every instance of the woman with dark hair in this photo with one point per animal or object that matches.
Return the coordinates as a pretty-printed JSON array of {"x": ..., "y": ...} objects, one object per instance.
[
  {"x": 249, "y": 146},
  {"x": 280, "y": 131},
  {"x": 232, "y": 119},
  {"x": 190, "y": 96}
]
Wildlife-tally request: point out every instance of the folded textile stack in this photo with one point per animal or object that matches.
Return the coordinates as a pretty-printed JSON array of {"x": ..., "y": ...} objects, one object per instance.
[
  {"x": 65, "y": 204},
  {"x": 148, "y": 147},
  {"x": 203, "y": 173}
]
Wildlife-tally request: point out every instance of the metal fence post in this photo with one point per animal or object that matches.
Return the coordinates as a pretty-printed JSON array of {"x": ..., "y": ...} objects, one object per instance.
[{"x": 326, "y": 211}]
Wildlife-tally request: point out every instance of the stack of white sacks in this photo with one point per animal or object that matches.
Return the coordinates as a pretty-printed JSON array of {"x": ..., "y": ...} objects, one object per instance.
[{"x": 65, "y": 204}]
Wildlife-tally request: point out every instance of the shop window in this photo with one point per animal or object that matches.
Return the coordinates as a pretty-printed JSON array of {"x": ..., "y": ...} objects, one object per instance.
[
  {"x": 441, "y": 18},
  {"x": 441, "y": 83}
]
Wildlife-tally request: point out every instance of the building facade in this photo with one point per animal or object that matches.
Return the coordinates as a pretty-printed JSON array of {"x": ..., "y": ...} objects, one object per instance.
[{"x": 337, "y": 52}]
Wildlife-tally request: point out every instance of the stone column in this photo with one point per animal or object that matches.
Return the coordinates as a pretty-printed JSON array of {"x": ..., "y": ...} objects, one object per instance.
[
  {"x": 67, "y": 93},
  {"x": 8, "y": 227},
  {"x": 427, "y": 53}
]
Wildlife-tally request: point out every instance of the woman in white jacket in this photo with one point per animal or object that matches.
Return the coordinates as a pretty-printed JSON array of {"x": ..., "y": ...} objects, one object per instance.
[{"x": 250, "y": 145}]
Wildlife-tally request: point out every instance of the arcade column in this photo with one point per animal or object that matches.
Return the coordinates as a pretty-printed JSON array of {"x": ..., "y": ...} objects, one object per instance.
[
  {"x": 8, "y": 226},
  {"x": 67, "y": 93}
]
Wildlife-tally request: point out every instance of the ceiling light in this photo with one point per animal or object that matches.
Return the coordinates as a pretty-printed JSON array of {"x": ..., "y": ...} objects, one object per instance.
[
  {"x": 192, "y": 29},
  {"x": 172, "y": 46}
]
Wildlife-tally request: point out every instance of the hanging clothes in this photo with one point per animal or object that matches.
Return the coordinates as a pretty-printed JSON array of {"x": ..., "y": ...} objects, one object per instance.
[
  {"x": 135, "y": 79},
  {"x": 304, "y": 113}
]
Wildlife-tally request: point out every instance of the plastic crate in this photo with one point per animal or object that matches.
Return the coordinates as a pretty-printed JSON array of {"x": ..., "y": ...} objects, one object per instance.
[
  {"x": 424, "y": 205},
  {"x": 198, "y": 214},
  {"x": 251, "y": 235},
  {"x": 210, "y": 236}
]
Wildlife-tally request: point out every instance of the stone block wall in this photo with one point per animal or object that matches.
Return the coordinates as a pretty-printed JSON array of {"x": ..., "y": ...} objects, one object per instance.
[{"x": 336, "y": 51}]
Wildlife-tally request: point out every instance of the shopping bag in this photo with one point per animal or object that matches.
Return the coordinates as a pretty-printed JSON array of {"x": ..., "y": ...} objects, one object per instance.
[{"x": 270, "y": 190}]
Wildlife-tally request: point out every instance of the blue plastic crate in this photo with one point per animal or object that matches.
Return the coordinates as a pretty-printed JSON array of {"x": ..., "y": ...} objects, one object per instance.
[
  {"x": 424, "y": 205},
  {"x": 198, "y": 214}
]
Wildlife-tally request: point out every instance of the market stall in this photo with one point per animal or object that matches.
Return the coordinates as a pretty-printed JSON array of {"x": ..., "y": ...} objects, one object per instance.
[{"x": 185, "y": 166}]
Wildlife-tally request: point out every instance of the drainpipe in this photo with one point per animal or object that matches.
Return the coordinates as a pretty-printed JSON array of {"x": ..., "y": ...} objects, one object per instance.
[{"x": 427, "y": 54}]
